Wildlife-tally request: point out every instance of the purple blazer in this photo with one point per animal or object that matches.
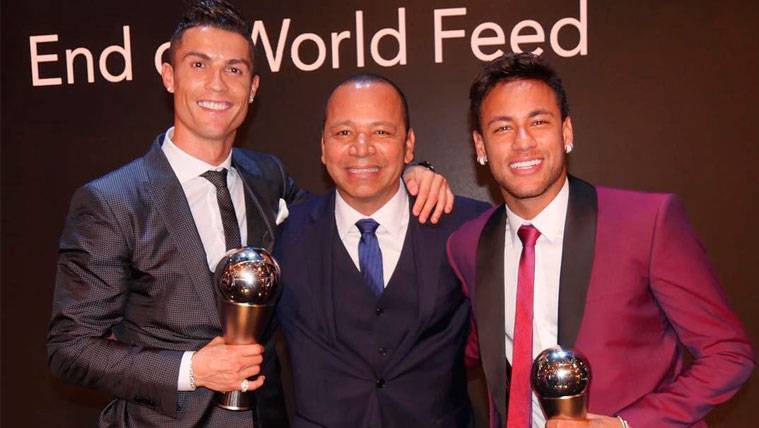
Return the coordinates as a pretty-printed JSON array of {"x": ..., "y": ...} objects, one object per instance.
[{"x": 635, "y": 285}]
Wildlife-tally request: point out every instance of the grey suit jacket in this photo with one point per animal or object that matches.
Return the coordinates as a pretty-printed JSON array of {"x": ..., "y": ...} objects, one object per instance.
[{"x": 133, "y": 292}]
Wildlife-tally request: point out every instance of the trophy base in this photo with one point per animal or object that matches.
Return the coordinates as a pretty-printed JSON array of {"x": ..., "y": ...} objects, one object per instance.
[
  {"x": 234, "y": 400},
  {"x": 572, "y": 407}
]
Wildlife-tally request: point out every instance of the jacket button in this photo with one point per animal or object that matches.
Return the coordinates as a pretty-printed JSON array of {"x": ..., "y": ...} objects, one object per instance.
[
  {"x": 380, "y": 383},
  {"x": 379, "y": 311},
  {"x": 382, "y": 351}
]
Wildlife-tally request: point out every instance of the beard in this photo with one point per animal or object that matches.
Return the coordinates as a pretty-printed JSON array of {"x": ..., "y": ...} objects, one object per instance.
[{"x": 514, "y": 190}]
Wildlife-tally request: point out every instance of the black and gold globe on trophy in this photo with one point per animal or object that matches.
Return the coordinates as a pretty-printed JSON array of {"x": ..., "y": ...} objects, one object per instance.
[{"x": 561, "y": 378}]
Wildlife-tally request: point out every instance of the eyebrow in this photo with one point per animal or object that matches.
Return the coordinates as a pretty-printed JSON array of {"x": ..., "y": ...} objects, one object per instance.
[
  {"x": 239, "y": 61},
  {"x": 206, "y": 57},
  {"x": 351, "y": 123},
  {"x": 505, "y": 118},
  {"x": 197, "y": 54}
]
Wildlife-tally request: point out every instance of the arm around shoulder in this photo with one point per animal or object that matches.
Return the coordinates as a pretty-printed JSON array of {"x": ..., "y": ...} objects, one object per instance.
[{"x": 291, "y": 192}]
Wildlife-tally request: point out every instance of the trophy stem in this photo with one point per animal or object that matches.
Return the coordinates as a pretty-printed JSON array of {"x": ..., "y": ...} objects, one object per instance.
[
  {"x": 243, "y": 324},
  {"x": 568, "y": 407}
]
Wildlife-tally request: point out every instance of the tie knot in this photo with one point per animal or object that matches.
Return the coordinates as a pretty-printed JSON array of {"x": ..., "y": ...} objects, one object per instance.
[
  {"x": 528, "y": 234},
  {"x": 217, "y": 178},
  {"x": 367, "y": 225}
]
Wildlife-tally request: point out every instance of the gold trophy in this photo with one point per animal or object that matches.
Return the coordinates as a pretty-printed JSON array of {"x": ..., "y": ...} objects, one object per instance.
[
  {"x": 561, "y": 378},
  {"x": 248, "y": 280}
]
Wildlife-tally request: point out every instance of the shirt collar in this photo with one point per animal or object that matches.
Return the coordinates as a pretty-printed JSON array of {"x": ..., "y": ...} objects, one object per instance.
[
  {"x": 387, "y": 216},
  {"x": 185, "y": 166},
  {"x": 550, "y": 221}
]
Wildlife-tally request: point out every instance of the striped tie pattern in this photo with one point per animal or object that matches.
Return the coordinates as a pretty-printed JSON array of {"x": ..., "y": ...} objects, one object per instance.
[
  {"x": 370, "y": 256},
  {"x": 224, "y": 199}
]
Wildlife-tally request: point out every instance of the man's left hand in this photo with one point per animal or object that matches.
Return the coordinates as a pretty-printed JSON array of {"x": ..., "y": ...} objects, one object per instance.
[
  {"x": 433, "y": 195},
  {"x": 593, "y": 421}
]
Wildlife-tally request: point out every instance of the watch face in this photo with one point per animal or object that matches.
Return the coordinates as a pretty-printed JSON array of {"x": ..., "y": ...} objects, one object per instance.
[{"x": 426, "y": 165}]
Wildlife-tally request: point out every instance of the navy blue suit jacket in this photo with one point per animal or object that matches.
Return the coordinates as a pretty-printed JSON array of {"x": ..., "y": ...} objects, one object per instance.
[{"x": 423, "y": 382}]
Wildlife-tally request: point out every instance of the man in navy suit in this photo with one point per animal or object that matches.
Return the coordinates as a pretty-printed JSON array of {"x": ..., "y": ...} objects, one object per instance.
[{"x": 373, "y": 316}]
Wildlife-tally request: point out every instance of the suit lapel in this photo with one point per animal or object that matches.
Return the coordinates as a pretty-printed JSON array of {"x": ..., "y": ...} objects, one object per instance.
[
  {"x": 576, "y": 258},
  {"x": 260, "y": 218},
  {"x": 171, "y": 203},
  {"x": 489, "y": 305},
  {"x": 319, "y": 238}
]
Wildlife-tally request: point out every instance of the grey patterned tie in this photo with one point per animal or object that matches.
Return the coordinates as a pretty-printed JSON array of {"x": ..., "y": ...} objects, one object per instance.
[{"x": 227, "y": 209}]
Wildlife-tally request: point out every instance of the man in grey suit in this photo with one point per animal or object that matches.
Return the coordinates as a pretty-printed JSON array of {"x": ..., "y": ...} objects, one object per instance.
[{"x": 134, "y": 311}]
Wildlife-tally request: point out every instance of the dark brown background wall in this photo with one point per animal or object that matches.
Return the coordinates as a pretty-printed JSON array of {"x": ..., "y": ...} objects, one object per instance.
[{"x": 664, "y": 100}]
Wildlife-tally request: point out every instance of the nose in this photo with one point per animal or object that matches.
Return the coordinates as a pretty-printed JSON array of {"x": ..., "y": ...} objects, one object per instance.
[
  {"x": 362, "y": 146},
  {"x": 523, "y": 140},
  {"x": 216, "y": 80}
]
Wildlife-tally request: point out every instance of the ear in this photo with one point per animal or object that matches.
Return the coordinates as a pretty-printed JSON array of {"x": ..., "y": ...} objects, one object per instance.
[
  {"x": 254, "y": 86},
  {"x": 566, "y": 131},
  {"x": 408, "y": 155},
  {"x": 167, "y": 76},
  {"x": 324, "y": 162},
  {"x": 479, "y": 144}
]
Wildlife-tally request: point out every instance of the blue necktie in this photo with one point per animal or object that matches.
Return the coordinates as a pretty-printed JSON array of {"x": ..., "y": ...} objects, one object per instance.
[{"x": 370, "y": 256}]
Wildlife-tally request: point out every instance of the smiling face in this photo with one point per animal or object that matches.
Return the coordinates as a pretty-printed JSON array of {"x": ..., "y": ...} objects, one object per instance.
[
  {"x": 523, "y": 138},
  {"x": 212, "y": 81},
  {"x": 365, "y": 144}
]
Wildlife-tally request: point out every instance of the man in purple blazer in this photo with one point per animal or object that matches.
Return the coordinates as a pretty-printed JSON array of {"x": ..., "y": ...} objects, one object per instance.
[{"x": 618, "y": 275}]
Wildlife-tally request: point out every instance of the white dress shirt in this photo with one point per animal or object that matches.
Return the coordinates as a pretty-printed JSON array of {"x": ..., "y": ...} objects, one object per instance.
[
  {"x": 393, "y": 222},
  {"x": 550, "y": 223},
  {"x": 201, "y": 196}
]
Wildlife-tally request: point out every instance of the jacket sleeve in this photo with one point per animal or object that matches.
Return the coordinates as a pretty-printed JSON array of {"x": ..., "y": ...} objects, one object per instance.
[
  {"x": 291, "y": 192},
  {"x": 91, "y": 292},
  {"x": 686, "y": 288}
]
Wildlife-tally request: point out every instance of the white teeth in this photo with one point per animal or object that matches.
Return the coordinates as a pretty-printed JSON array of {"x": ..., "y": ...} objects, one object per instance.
[
  {"x": 526, "y": 164},
  {"x": 212, "y": 105},
  {"x": 363, "y": 170}
]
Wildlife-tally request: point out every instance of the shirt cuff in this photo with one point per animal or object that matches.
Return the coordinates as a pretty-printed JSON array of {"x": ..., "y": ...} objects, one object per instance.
[{"x": 184, "y": 382}]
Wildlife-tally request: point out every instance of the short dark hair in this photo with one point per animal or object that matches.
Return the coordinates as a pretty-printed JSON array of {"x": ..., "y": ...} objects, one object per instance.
[
  {"x": 212, "y": 13},
  {"x": 367, "y": 78},
  {"x": 509, "y": 68}
]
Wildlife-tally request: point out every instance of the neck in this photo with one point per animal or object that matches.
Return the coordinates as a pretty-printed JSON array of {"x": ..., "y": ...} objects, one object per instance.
[
  {"x": 529, "y": 208},
  {"x": 365, "y": 208},
  {"x": 213, "y": 152},
  {"x": 368, "y": 206}
]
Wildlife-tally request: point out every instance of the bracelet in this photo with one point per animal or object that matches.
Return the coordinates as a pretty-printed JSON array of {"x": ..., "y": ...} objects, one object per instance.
[
  {"x": 623, "y": 422},
  {"x": 192, "y": 375}
]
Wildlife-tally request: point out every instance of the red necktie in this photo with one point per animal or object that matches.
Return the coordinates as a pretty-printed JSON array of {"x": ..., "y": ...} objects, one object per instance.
[{"x": 520, "y": 395}]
